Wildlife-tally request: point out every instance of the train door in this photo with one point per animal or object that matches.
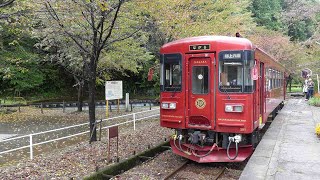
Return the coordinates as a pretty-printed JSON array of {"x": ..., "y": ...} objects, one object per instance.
[{"x": 199, "y": 95}]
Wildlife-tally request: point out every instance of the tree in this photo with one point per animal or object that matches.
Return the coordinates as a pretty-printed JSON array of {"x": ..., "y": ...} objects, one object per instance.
[
  {"x": 19, "y": 66},
  {"x": 99, "y": 29},
  {"x": 63, "y": 52},
  {"x": 300, "y": 18},
  {"x": 185, "y": 18},
  {"x": 6, "y": 3},
  {"x": 267, "y": 13},
  {"x": 279, "y": 47}
]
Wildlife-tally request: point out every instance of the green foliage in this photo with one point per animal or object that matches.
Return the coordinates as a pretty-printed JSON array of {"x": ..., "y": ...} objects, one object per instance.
[
  {"x": 12, "y": 101},
  {"x": 300, "y": 19},
  {"x": 315, "y": 101},
  {"x": 179, "y": 19},
  {"x": 19, "y": 68},
  {"x": 267, "y": 13},
  {"x": 153, "y": 23},
  {"x": 294, "y": 89},
  {"x": 301, "y": 30}
]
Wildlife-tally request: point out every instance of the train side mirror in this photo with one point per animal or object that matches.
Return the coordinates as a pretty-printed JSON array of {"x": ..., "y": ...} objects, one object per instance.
[{"x": 254, "y": 73}]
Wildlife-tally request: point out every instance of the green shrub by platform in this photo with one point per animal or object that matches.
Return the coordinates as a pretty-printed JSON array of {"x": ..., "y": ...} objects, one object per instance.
[{"x": 315, "y": 101}]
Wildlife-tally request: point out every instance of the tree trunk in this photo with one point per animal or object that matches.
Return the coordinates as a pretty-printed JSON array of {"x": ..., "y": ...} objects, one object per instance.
[
  {"x": 92, "y": 111},
  {"x": 80, "y": 96},
  {"x": 92, "y": 105}
]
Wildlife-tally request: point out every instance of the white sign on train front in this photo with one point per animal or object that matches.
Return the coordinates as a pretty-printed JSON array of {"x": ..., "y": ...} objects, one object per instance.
[{"x": 113, "y": 90}]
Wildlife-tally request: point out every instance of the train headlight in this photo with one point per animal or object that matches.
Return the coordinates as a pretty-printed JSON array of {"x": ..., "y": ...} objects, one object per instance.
[
  {"x": 167, "y": 105},
  {"x": 228, "y": 108},
  {"x": 233, "y": 108},
  {"x": 172, "y": 106}
]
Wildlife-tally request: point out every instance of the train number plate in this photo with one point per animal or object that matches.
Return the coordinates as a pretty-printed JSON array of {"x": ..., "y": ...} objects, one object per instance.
[{"x": 199, "y": 47}]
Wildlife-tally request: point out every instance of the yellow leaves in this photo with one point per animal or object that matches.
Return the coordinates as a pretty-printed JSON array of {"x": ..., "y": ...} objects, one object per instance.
[
  {"x": 184, "y": 18},
  {"x": 318, "y": 129},
  {"x": 103, "y": 5}
]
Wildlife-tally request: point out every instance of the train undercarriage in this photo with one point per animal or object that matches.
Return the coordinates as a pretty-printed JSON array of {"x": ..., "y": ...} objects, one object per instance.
[{"x": 209, "y": 146}]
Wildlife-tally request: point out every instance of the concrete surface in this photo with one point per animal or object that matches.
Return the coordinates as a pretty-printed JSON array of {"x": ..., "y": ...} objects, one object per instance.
[
  {"x": 289, "y": 149},
  {"x": 6, "y": 136}
]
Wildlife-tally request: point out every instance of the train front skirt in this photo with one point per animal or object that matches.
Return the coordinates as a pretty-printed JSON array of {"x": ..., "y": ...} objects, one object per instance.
[{"x": 218, "y": 154}]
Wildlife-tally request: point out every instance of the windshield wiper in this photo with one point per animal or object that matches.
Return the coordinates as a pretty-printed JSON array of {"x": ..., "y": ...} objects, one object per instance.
[
  {"x": 225, "y": 90},
  {"x": 175, "y": 89}
]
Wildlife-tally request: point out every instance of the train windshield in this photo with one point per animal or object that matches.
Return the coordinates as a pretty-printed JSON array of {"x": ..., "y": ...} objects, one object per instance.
[
  {"x": 170, "y": 73},
  {"x": 235, "y": 71}
]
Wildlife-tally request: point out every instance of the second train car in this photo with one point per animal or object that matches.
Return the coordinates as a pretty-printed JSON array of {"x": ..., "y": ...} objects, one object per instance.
[{"x": 217, "y": 93}]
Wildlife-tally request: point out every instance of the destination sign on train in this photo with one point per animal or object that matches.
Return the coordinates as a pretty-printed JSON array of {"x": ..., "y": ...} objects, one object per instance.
[
  {"x": 232, "y": 56},
  {"x": 199, "y": 47}
]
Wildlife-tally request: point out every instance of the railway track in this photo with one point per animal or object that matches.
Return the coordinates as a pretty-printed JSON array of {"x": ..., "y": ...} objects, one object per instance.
[
  {"x": 182, "y": 168},
  {"x": 176, "y": 170},
  {"x": 166, "y": 165}
]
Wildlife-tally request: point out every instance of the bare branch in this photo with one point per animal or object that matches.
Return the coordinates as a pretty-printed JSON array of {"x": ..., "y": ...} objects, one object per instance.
[
  {"x": 111, "y": 26},
  {"x": 125, "y": 37},
  {"x": 6, "y": 3},
  {"x": 54, "y": 15}
]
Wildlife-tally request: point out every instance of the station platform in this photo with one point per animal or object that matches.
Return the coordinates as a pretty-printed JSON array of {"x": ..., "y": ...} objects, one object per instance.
[{"x": 289, "y": 149}]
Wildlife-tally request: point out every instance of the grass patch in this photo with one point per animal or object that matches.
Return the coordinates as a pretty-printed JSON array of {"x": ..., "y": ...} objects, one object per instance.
[
  {"x": 294, "y": 89},
  {"x": 315, "y": 100},
  {"x": 13, "y": 101}
]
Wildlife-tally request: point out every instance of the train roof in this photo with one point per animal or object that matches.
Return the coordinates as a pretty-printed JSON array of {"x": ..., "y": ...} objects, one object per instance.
[
  {"x": 219, "y": 43},
  {"x": 210, "y": 39},
  {"x": 266, "y": 58}
]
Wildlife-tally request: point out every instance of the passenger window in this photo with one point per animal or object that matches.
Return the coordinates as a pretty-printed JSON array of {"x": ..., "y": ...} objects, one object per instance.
[
  {"x": 200, "y": 80},
  {"x": 231, "y": 79}
]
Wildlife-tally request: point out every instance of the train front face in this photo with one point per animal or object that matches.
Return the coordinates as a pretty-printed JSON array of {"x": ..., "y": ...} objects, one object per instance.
[{"x": 208, "y": 96}]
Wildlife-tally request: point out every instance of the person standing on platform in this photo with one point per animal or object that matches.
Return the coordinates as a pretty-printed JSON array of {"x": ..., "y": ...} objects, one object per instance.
[
  {"x": 310, "y": 88},
  {"x": 305, "y": 87}
]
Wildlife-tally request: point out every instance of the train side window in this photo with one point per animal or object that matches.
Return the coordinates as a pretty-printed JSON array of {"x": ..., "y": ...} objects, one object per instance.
[
  {"x": 200, "y": 80},
  {"x": 248, "y": 82},
  {"x": 171, "y": 72}
]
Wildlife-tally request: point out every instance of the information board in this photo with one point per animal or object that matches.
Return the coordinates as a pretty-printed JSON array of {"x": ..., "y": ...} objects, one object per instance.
[{"x": 113, "y": 90}]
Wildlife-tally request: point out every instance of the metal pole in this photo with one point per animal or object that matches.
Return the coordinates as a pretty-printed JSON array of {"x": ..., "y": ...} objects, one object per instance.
[
  {"x": 118, "y": 105},
  {"x": 134, "y": 121},
  {"x": 318, "y": 82},
  {"x": 127, "y": 102},
  {"x": 107, "y": 109},
  {"x": 100, "y": 130},
  {"x": 64, "y": 107},
  {"x": 31, "y": 149},
  {"x": 41, "y": 108},
  {"x": 108, "y": 144}
]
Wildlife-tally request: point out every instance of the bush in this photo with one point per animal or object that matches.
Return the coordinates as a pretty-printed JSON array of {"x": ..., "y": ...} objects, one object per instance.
[{"x": 315, "y": 101}]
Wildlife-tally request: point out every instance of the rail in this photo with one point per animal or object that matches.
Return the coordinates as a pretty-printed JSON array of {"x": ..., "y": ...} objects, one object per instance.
[{"x": 31, "y": 136}]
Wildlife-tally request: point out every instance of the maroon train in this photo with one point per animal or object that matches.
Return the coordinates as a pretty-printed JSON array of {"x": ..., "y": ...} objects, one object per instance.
[{"x": 217, "y": 93}]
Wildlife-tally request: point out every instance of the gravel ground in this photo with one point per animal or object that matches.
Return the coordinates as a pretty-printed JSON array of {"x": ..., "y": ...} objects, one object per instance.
[
  {"x": 83, "y": 158},
  {"x": 165, "y": 163},
  {"x": 157, "y": 168}
]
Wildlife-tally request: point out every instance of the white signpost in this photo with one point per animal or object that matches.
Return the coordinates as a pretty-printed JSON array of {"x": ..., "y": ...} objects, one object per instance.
[{"x": 113, "y": 90}]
